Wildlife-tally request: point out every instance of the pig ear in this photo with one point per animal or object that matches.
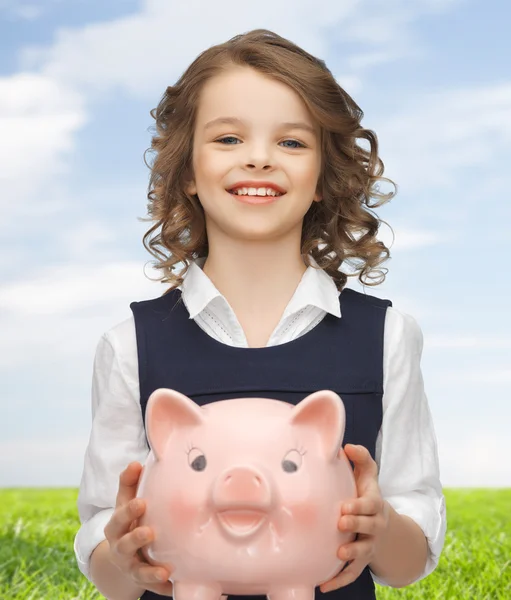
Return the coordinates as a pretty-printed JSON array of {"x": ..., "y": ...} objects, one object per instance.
[
  {"x": 167, "y": 411},
  {"x": 323, "y": 414}
]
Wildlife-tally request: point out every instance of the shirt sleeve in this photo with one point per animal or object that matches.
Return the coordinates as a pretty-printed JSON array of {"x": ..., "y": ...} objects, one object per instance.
[
  {"x": 406, "y": 449},
  {"x": 117, "y": 438}
]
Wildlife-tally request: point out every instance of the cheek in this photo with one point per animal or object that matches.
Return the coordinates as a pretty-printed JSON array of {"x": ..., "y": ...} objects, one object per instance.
[
  {"x": 304, "y": 514},
  {"x": 307, "y": 173},
  {"x": 211, "y": 165},
  {"x": 182, "y": 511}
]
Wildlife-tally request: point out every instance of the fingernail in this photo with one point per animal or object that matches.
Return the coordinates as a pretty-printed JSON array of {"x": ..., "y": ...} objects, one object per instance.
[{"x": 134, "y": 504}]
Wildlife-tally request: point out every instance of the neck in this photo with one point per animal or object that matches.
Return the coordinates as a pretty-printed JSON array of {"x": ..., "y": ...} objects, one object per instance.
[{"x": 254, "y": 277}]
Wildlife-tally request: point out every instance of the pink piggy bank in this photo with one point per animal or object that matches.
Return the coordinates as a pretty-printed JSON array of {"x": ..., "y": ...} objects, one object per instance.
[{"x": 244, "y": 495}]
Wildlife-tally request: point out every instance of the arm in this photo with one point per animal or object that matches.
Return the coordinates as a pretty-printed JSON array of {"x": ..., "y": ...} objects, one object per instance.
[
  {"x": 117, "y": 438},
  {"x": 409, "y": 477},
  {"x": 108, "y": 579},
  {"x": 402, "y": 551},
  {"x": 399, "y": 517}
]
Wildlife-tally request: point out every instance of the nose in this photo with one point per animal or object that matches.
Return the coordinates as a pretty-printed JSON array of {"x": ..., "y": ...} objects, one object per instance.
[
  {"x": 241, "y": 486},
  {"x": 258, "y": 156},
  {"x": 259, "y": 166}
]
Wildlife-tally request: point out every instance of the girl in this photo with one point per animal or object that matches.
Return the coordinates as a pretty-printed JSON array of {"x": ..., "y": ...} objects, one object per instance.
[{"x": 260, "y": 189}]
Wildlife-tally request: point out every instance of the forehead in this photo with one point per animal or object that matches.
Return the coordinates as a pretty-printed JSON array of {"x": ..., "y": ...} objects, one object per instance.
[
  {"x": 246, "y": 94},
  {"x": 247, "y": 418}
]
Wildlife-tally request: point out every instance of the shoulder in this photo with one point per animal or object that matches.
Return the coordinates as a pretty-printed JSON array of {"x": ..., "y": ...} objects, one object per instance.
[
  {"x": 401, "y": 329},
  {"x": 121, "y": 334},
  {"x": 402, "y": 332},
  {"x": 349, "y": 296},
  {"x": 119, "y": 345},
  {"x": 156, "y": 305}
]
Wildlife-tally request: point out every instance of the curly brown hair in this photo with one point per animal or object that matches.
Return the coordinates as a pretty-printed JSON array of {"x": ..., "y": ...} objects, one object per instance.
[{"x": 339, "y": 229}]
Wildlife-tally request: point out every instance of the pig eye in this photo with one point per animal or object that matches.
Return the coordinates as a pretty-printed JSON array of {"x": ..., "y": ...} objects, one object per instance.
[
  {"x": 199, "y": 464},
  {"x": 292, "y": 461},
  {"x": 196, "y": 459}
]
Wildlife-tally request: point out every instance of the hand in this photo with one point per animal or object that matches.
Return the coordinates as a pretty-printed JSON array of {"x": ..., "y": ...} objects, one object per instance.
[
  {"x": 125, "y": 538},
  {"x": 366, "y": 516}
]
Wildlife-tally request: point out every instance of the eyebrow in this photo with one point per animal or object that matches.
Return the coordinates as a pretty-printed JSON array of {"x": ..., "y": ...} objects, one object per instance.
[{"x": 240, "y": 122}]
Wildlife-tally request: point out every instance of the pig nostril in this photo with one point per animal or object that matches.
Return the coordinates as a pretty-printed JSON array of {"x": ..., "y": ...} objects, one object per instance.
[{"x": 255, "y": 479}]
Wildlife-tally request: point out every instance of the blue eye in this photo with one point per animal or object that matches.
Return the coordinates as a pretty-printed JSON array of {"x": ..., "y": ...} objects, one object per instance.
[
  {"x": 295, "y": 142},
  {"x": 230, "y": 137}
]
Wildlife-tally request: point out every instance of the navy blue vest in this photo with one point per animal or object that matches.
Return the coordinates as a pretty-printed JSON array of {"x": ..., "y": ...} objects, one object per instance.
[{"x": 344, "y": 355}]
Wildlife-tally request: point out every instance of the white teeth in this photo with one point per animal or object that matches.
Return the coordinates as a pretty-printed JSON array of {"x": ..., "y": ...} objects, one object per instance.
[{"x": 255, "y": 192}]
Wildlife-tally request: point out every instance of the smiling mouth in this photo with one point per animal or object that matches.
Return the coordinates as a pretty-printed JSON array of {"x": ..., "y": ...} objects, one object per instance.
[
  {"x": 241, "y": 523},
  {"x": 277, "y": 195}
]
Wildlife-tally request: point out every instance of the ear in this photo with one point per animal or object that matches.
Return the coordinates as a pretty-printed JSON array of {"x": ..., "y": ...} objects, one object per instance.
[
  {"x": 191, "y": 188},
  {"x": 324, "y": 415},
  {"x": 166, "y": 412}
]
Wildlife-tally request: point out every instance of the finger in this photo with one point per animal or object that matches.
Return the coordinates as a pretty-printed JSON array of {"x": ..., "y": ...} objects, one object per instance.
[
  {"x": 130, "y": 543},
  {"x": 149, "y": 575},
  {"x": 365, "y": 470},
  {"x": 128, "y": 482},
  {"x": 345, "y": 577},
  {"x": 361, "y": 549},
  {"x": 123, "y": 516},
  {"x": 152, "y": 578},
  {"x": 366, "y": 505},
  {"x": 361, "y": 524},
  {"x": 361, "y": 458}
]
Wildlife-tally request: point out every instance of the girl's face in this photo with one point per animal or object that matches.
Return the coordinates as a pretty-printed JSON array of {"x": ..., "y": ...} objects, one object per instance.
[{"x": 262, "y": 144}]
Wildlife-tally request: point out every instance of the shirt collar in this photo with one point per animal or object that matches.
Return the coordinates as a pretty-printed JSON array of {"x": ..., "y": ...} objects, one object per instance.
[{"x": 316, "y": 288}]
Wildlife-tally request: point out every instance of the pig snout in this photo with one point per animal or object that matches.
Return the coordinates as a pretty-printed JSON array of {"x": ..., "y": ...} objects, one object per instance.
[
  {"x": 241, "y": 487},
  {"x": 242, "y": 500}
]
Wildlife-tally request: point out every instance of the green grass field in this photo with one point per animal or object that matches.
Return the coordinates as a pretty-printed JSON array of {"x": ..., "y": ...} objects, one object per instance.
[{"x": 38, "y": 526}]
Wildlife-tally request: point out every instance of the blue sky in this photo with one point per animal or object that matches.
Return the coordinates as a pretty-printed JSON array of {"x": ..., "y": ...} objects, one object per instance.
[{"x": 77, "y": 82}]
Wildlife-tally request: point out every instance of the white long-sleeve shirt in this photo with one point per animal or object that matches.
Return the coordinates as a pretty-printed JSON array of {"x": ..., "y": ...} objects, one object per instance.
[{"x": 406, "y": 447}]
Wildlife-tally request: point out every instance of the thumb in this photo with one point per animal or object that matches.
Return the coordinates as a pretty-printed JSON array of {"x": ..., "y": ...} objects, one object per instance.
[
  {"x": 365, "y": 467},
  {"x": 128, "y": 482}
]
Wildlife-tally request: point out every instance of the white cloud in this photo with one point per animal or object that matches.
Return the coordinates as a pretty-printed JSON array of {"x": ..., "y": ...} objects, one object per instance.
[
  {"x": 59, "y": 314},
  {"x": 153, "y": 46},
  {"x": 409, "y": 238},
  {"x": 86, "y": 242},
  {"x": 29, "y": 12},
  {"x": 39, "y": 118},
  {"x": 71, "y": 288},
  {"x": 428, "y": 143}
]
